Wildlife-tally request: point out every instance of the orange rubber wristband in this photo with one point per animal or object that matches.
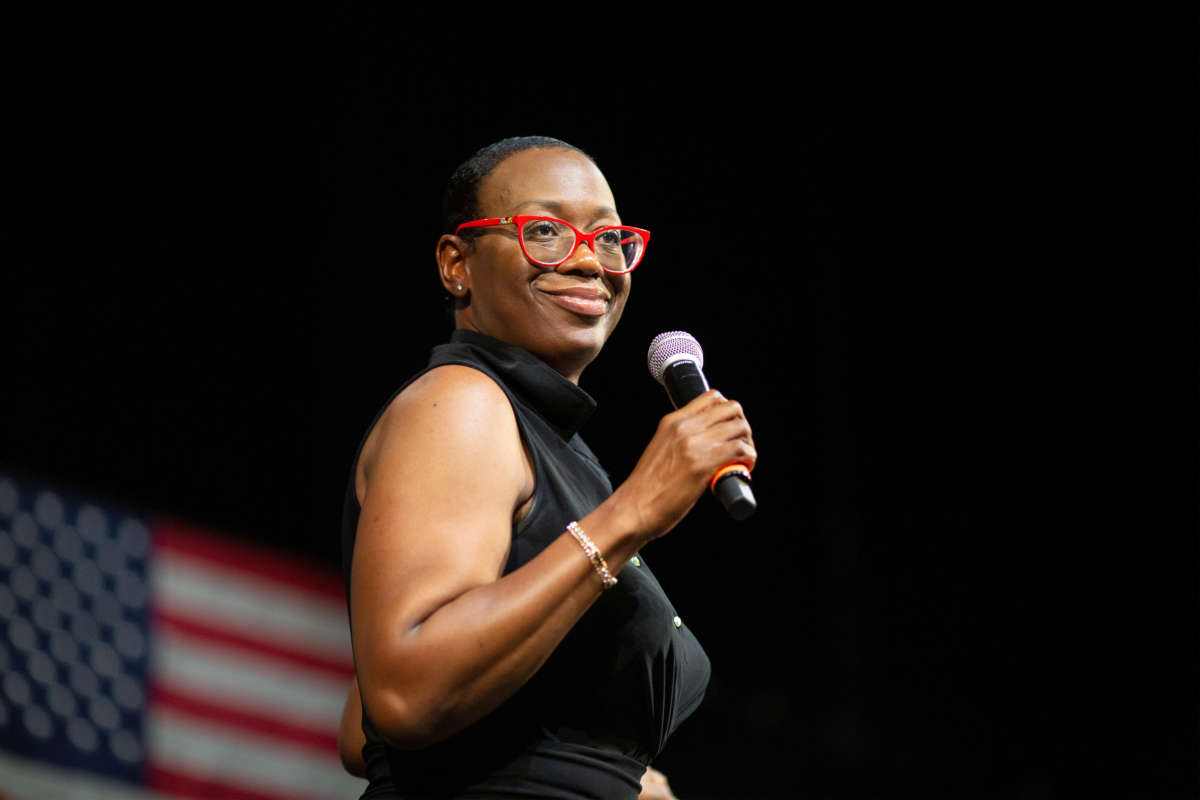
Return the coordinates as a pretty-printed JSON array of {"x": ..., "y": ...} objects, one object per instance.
[{"x": 728, "y": 468}]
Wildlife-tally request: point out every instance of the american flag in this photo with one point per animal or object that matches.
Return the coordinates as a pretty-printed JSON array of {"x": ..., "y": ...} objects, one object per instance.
[{"x": 144, "y": 659}]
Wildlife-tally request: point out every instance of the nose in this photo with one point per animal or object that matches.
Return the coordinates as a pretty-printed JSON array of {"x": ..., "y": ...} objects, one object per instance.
[{"x": 582, "y": 261}]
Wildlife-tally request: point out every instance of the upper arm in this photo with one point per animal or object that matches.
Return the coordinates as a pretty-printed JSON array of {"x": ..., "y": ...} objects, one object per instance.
[{"x": 440, "y": 477}]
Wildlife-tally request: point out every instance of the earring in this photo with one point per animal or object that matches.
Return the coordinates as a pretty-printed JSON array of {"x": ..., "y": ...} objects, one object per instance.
[{"x": 459, "y": 287}]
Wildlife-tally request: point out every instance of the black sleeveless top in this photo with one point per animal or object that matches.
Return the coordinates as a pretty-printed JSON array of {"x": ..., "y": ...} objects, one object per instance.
[{"x": 603, "y": 705}]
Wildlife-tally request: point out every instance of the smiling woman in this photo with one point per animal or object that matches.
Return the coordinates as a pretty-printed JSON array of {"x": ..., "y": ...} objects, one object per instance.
[
  {"x": 564, "y": 312},
  {"x": 509, "y": 640}
]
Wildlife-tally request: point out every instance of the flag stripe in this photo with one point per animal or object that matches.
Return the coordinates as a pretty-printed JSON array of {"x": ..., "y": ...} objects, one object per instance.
[
  {"x": 273, "y": 689},
  {"x": 277, "y": 614},
  {"x": 24, "y": 779},
  {"x": 183, "y": 626},
  {"x": 190, "y": 787},
  {"x": 237, "y": 557},
  {"x": 323, "y": 740},
  {"x": 188, "y": 747}
]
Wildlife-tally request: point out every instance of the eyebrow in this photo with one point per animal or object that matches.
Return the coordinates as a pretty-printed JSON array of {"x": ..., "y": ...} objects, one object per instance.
[{"x": 557, "y": 208}]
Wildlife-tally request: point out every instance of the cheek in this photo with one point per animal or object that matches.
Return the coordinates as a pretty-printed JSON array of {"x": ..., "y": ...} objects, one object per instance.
[
  {"x": 620, "y": 299},
  {"x": 622, "y": 290},
  {"x": 500, "y": 285}
]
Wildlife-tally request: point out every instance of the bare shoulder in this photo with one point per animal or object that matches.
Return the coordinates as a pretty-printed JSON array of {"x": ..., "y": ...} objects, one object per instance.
[
  {"x": 453, "y": 387},
  {"x": 456, "y": 382},
  {"x": 450, "y": 409}
]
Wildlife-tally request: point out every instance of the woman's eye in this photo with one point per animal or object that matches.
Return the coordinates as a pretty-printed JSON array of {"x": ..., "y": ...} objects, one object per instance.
[
  {"x": 542, "y": 230},
  {"x": 609, "y": 238}
]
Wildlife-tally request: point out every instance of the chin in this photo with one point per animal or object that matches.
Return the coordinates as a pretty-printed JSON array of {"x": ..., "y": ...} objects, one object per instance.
[{"x": 571, "y": 352}]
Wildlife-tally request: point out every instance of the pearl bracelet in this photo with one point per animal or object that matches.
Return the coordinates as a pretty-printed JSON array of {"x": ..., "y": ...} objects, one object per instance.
[{"x": 593, "y": 554}]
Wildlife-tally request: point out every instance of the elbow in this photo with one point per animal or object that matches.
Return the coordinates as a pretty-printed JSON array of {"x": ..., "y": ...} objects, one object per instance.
[
  {"x": 408, "y": 734},
  {"x": 404, "y": 723}
]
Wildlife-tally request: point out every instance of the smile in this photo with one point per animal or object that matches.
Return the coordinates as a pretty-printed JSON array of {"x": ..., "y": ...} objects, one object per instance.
[{"x": 583, "y": 300}]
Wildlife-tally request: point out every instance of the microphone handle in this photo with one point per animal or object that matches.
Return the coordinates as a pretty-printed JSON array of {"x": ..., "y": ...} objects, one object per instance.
[
  {"x": 685, "y": 381},
  {"x": 733, "y": 490}
]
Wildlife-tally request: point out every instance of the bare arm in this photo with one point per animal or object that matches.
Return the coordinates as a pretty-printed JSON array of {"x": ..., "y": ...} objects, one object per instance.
[{"x": 441, "y": 637}]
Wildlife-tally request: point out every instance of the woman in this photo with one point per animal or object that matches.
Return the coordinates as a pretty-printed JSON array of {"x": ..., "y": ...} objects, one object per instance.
[{"x": 508, "y": 639}]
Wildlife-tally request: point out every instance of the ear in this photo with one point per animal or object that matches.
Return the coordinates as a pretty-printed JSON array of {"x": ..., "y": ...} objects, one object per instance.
[{"x": 452, "y": 265}]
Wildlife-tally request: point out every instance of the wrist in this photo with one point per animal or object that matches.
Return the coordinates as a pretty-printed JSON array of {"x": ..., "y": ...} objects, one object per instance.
[{"x": 617, "y": 527}]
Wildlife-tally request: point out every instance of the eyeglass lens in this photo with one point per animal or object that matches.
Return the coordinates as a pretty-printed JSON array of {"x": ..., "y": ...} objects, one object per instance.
[{"x": 549, "y": 242}]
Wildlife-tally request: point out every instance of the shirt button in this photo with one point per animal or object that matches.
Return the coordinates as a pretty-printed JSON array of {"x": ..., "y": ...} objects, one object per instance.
[
  {"x": 678, "y": 622},
  {"x": 637, "y": 562}
]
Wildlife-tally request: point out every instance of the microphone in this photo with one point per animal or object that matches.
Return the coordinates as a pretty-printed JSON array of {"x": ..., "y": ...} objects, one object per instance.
[{"x": 675, "y": 360}]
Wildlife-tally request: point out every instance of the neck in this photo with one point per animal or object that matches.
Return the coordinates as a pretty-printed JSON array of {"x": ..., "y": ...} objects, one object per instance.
[{"x": 570, "y": 367}]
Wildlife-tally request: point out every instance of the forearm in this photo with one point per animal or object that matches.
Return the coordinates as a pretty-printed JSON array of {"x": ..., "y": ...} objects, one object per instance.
[{"x": 475, "y": 651}]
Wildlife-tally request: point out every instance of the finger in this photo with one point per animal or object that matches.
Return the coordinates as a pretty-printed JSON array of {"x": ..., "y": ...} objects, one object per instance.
[
  {"x": 701, "y": 402},
  {"x": 731, "y": 428},
  {"x": 735, "y": 452},
  {"x": 731, "y": 442},
  {"x": 720, "y": 411},
  {"x": 729, "y": 431},
  {"x": 691, "y": 420}
]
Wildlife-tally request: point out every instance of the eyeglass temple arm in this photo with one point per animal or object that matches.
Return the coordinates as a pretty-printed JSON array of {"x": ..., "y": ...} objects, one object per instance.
[{"x": 485, "y": 223}]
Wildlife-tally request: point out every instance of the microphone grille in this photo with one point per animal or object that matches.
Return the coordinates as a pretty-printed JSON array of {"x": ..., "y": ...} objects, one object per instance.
[{"x": 667, "y": 348}]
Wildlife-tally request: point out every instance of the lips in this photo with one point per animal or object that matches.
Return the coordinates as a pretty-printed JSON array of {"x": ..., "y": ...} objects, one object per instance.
[{"x": 586, "y": 300}]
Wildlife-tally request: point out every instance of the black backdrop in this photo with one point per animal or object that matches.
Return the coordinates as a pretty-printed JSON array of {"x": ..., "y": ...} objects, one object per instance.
[{"x": 221, "y": 238}]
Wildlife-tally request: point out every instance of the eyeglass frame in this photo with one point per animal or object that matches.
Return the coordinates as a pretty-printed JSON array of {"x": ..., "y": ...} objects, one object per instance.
[{"x": 580, "y": 237}]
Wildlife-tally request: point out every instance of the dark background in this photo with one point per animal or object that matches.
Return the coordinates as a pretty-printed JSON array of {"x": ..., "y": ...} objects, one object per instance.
[{"x": 217, "y": 249}]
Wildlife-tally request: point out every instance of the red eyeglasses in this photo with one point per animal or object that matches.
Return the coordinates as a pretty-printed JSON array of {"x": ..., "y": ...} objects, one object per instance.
[{"x": 548, "y": 242}]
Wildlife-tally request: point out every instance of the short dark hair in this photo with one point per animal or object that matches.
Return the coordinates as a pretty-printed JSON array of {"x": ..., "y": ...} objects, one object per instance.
[{"x": 461, "y": 201}]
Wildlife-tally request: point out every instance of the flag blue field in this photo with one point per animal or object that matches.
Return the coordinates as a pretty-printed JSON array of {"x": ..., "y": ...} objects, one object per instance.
[{"x": 143, "y": 658}]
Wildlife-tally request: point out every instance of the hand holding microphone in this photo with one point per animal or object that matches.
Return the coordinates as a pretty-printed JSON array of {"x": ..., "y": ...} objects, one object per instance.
[
  {"x": 675, "y": 360},
  {"x": 705, "y": 443}
]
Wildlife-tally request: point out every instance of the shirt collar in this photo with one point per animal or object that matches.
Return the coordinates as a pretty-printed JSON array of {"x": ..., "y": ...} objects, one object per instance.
[{"x": 557, "y": 400}]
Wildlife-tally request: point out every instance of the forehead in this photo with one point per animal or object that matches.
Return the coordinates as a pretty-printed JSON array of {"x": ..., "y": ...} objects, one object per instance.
[{"x": 551, "y": 176}]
